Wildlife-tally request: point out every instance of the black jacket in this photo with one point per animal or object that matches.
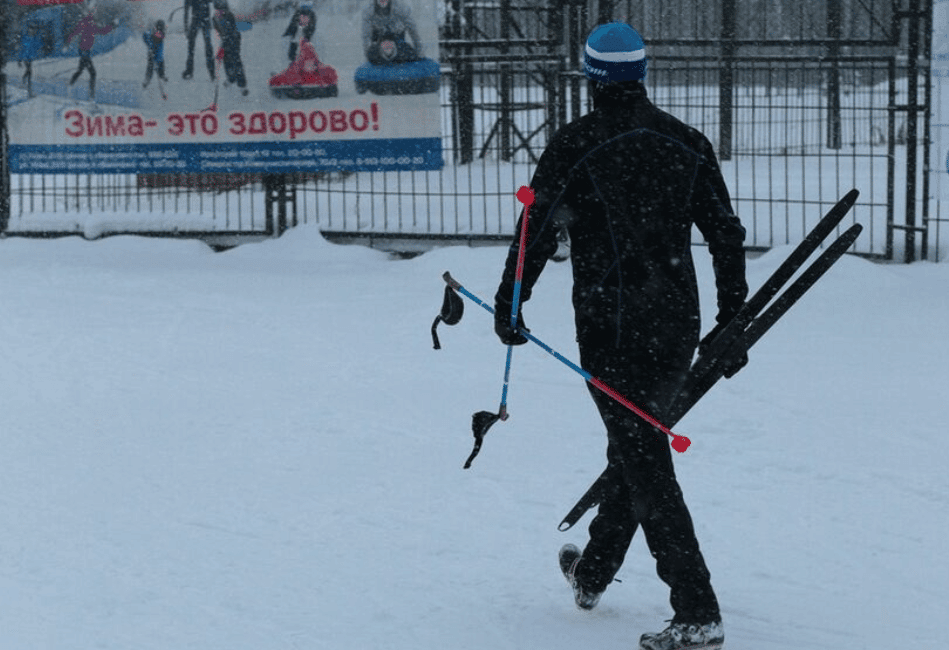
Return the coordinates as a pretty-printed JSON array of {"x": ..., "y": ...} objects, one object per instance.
[
  {"x": 226, "y": 26},
  {"x": 200, "y": 11},
  {"x": 628, "y": 181}
]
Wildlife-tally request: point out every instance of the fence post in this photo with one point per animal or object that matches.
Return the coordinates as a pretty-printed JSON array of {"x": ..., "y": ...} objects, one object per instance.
[
  {"x": 833, "y": 80},
  {"x": 553, "y": 76},
  {"x": 462, "y": 87},
  {"x": 605, "y": 15},
  {"x": 504, "y": 70},
  {"x": 276, "y": 195},
  {"x": 576, "y": 23},
  {"x": 891, "y": 153},
  {"x": 927, "y": 51},
  {"x": 4, "y": 141},
  {"x": 558, "y": 26},
  {"x": 912, "y": 139},
  {"x": 726, "y": 79}
]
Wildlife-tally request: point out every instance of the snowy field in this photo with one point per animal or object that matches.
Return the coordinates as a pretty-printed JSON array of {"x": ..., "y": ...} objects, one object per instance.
[{"x": 261, "y": 449}]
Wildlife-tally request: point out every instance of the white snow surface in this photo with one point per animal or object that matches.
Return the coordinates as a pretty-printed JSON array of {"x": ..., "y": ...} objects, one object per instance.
[{"x": 260, "y": 449}]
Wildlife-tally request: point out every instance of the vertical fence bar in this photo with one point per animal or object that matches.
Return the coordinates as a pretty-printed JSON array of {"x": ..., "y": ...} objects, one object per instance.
[
  {"x": 833, "y": 80},
  {"x": 560, "y": 26},
  {"x": 890, "y": 158},
  {"x": 577, "y": 37},
  {"x": 505, "y": 72},
  {"x": 4, "y": 166},
  {"x": 604, "y": 12},
  {"x": 4, "y": 141},
  {"x": 912, "y": 138},
  {"x": 726, "y": 79},
  {"x": 464, "y": 96},
  {"x": 927, "y": 125}
]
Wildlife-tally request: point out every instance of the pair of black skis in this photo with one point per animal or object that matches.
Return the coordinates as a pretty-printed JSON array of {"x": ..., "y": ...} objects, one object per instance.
[{"x": 747, "y": 327}]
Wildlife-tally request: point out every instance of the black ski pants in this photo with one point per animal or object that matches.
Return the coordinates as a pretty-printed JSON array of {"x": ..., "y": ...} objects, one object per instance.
[
  {"x": 85, "y": 63},
  {"x": 204, "y": 26},
  {"x": 154, "y": 65},
  {"x": 644, "y": 491},
  {"x": 233, "y": 66}
]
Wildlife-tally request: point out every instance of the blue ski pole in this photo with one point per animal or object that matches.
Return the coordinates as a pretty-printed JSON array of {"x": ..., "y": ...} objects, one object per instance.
[{"x": 482, "y": 420}]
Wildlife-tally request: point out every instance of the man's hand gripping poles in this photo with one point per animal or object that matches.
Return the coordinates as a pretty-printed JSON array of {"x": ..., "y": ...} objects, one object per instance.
[{"x": 453, "y": 309}]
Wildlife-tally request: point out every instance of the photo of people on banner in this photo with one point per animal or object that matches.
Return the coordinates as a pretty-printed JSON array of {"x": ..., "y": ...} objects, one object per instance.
[{"x": 223, "y": 85}]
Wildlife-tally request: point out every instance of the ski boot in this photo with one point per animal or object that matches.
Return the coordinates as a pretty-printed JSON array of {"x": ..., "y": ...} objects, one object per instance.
[
  {"x": 569, "y": 558},
  {"x": 686, "y": 636}
]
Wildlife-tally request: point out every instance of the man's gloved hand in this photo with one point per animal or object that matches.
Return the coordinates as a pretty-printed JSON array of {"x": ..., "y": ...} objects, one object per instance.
[
  {"x": 732, "y": 364},
  {"x": 502, "y": 324}
]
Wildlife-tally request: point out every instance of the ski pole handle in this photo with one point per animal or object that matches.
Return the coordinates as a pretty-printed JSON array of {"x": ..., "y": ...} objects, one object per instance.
[{"x": 526, "y": 196}]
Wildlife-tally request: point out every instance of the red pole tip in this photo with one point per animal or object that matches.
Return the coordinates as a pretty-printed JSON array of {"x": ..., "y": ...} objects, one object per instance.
[
  {"x": 525, "y": 195},
  {"x": 681, "y": 443}
]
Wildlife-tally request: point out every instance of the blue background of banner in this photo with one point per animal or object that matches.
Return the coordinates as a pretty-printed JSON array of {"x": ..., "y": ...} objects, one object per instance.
[{"x": 238, "y": 157}]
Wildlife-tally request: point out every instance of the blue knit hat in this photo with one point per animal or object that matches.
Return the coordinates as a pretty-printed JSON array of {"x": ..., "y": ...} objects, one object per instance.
[{"x": 615, "y": 52}]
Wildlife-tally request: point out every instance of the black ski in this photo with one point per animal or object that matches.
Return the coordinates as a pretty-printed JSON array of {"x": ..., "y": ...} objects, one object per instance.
[
  {"x": 707, "y": 368},
  {"x": 760, "y": 325},
  {"x": 696, "y": 388},
  {"x": 747, "y": 327}
]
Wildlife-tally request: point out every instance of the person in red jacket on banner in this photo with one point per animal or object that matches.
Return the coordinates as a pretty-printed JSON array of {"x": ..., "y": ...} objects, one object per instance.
[{"x": 87, "y": 29}]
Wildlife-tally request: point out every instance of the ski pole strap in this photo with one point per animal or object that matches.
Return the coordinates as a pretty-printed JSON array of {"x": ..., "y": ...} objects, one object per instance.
[
  {"x": 480, "y": 423},
  {"x": 453, "y": 308},
  {"x": 435, "y": 342}
]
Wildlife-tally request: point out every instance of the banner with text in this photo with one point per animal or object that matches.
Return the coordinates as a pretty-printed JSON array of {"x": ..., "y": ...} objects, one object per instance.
[{"x": 194, "y": 86}]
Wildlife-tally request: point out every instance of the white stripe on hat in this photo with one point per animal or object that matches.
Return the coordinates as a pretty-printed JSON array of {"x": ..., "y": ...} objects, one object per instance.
[{"x": 617, "y": 57}]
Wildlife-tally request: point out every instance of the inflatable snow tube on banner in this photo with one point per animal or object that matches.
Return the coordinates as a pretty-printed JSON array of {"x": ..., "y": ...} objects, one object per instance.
[
  {"x": 306, "y": 78},
  {"x": 413, "y": 78},
  {"x": 291, "y": 84}
]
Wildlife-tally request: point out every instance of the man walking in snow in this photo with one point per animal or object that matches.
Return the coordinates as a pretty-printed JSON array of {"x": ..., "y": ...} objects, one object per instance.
[{"x": 628, "y": 181}]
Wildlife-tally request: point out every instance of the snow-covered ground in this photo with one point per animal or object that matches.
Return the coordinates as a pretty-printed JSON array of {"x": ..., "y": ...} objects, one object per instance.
[{"x": 261, "y": 449}]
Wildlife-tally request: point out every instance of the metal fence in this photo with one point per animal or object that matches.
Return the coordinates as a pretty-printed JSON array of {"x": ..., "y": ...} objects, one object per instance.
[
  {"x": 801, "y": 108},
  {"x": 780, "y": 170},
  {"x": 99, "y": 205},
  {"x": 801, "y": 103}
]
